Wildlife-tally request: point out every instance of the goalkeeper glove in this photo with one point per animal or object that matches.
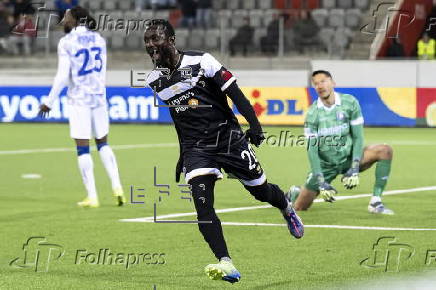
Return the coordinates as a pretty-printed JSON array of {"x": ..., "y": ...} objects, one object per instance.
[
  {"x": 326, "y": 191},
  {"x": 351, "y": 178}
]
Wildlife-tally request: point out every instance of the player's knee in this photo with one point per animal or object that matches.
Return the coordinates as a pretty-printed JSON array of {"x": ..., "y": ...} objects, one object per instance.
[
  {"x": 202, "y": 192},
  {"x": 259, "y": 192},
  {"x": 299, "y": 207},
  {"x": 82, "y": 150},
  {"x": 385, "y": 151},
  {"x": 101, "y": 145}
]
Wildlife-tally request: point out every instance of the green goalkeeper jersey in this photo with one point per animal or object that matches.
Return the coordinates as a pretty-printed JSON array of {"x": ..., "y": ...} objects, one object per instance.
[{"x": 335, "y": 133}]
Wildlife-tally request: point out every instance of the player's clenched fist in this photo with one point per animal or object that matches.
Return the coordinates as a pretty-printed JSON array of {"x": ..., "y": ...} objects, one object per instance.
[{"x": 255, "y": 138}]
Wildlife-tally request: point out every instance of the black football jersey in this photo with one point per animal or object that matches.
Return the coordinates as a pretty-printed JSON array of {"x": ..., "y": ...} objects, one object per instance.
[{"x": 197, "y": 103}]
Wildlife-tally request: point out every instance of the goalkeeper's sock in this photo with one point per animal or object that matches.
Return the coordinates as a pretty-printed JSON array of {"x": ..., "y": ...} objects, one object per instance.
[
  {"x": 86, "y": 167},
  {"x": 110, "y": 164},
  {"x": 382, "y": 170}
]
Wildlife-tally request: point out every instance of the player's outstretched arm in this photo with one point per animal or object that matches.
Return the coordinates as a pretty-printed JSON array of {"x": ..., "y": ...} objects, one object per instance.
[{"x": 254, "y": 134}]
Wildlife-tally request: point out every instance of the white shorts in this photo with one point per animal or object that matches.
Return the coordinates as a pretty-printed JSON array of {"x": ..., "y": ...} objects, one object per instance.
[{"x": 87, "y": 122}]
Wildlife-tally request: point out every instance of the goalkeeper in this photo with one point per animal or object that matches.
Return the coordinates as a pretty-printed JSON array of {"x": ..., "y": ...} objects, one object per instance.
[{"x": 334, "y": 132}]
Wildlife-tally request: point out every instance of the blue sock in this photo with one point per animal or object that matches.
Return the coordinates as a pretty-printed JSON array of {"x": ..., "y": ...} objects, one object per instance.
[
  {"x": 82, "y": 150},
  {"x": 100, "y": 145}
]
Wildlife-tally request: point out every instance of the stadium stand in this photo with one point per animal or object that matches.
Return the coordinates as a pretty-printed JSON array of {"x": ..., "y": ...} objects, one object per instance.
[{"x": 339, "y": 15}]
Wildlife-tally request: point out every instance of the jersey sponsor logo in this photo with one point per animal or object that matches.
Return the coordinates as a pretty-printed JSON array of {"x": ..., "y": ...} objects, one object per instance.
[
  {"x": 193, "y": 102},
  {"x": 336, "y": 130},
  {"x": 178, "y": 102}
]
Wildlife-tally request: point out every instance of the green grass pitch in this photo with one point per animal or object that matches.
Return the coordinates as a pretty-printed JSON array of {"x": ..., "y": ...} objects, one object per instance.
[{"x": 267, "y": 256}]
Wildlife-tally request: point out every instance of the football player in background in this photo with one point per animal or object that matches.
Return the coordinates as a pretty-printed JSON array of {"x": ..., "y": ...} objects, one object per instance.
[
  {"x": 196, "y": 86},
  {"x": 82, "y": 67},
  {"x": 334, "y": 132}
]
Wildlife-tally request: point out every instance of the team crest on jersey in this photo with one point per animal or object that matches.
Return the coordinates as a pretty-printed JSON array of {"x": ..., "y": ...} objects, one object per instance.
[
  {"x": 340, "y": 116},
  {"x": 193, "y": 102}
]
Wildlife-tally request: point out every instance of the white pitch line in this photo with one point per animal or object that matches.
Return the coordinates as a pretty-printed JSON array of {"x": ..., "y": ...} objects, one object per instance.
[
  {"x": 70, "y": 149},
  {"x": 176, "y": 215},
  {"x": 134, "y": 146},
  {"x": 343, "y": 227},
  {"x": 331, "y": 226}
]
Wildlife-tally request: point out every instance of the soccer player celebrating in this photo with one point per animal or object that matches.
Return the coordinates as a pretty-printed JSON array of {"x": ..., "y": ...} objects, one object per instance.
[
  {"x": 338, "y": 117},
  {"x": 195, "y": 86},
  {"x": 82, "y": 67}
]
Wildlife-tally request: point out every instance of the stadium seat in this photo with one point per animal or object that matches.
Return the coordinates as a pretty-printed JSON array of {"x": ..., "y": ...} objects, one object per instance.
[
  {"x": 85, "y": 4},
  {"x": 54, "y": 37},
  {"x": 233, "y": 4},
  {"x": 258, "y": 34},
  {"x": 110, "y": 5},
  {"x": 336, "y": 18},
  {"x": 225, "y": 16},
  {"x": 40, "y": 43},
  {"x": 196, "y": 39},
  {"x": 320, "y": 16},
  {"x": 134, "y": 41},
  {"x": 95, "y": 5},
  {"x": 129, "y": 15},
  {"x": 182, "y": 37},
  {"x": 326, "y": 36},
  {"x": 238, "y": 18},
  {"x": 249, "y": 4},
  {"x": 329, "y": 4},
  {"x": 107, "y": 36},
  {"x": 256, "y": 18},
  {"x": 118, "y": 39},
  {"x": 294, "y": 4},
  {"x": 214, "y": 19},
  {"x": 352, "y": 18},
  {"x": 361, "y": 4},
  {"x": 162, "y": 14},
  {"x": 265, "y": 4},
  {"x": 212, "y": 39},
  {"x": 268, "y": 16},
  {"x": 218, "y": 4},
  {"x": 313, "y": 4},
  {"x": 116, "y": 14},
  {"x": 125, "y": 5},
  {"x": 146, "y": 14},
  {"x": 345, "y": 4}
]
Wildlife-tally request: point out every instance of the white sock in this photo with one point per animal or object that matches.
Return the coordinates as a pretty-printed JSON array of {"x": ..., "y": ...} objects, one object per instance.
[
  {"x": 110, "y": 163},
  {"x": 375, "y": 199},
  {"x": 86, "y": 167}
]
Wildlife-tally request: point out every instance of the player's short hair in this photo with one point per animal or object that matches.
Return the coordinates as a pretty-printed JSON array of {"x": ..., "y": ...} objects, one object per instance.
[
  {"x": 82, "y": 16},
  {"x": 324, "y": 72},
  {"x": 167, "y": 27}
]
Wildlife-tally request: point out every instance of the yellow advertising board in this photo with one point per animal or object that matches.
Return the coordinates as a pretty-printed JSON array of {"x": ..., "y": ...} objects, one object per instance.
[{"x": 277, "y": 105}]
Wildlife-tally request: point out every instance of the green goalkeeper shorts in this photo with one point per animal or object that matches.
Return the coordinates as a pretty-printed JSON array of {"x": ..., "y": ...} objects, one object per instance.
[{"x": 329, "y": 172}]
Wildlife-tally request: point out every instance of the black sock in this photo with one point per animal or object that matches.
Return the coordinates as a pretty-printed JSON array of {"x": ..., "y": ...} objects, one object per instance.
[
  {"x": 202, "y": 193},
  {"x": 270, "y": 193}
]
